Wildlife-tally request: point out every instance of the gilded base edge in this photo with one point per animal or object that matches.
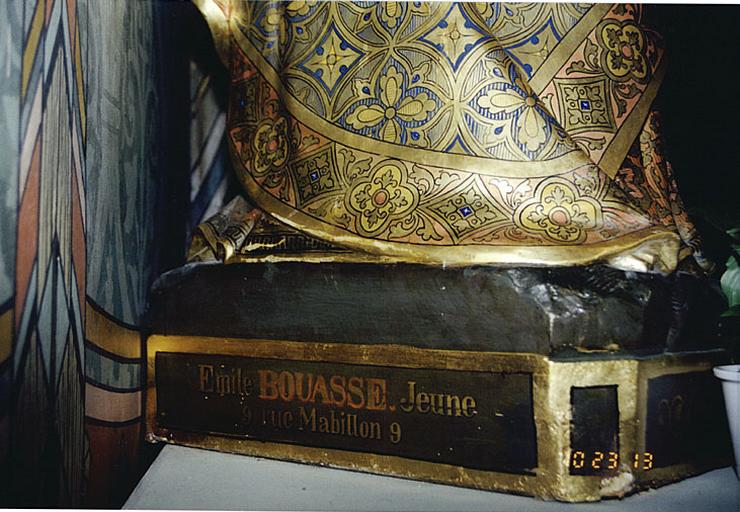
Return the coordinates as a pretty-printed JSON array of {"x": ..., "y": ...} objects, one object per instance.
[
  {"x": 463, "y": 255},
  {"x": 552, "y": 381}
]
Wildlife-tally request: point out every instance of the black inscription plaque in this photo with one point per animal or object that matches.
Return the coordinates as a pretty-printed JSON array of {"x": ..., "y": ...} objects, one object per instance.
[
  {"x": 594, "y": 430},
  {"x": 686, "y": 420},
  {"x": 477, "y": 420}
]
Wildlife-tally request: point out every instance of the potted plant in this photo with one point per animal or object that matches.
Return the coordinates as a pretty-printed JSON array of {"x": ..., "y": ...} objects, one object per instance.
[{"x": 730, "y": 374}]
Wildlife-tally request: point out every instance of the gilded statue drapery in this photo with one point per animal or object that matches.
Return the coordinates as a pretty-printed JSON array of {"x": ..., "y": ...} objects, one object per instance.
[{"x": 455, "y": 133}]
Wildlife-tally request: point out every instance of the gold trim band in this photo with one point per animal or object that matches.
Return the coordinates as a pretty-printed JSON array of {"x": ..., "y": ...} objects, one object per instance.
[
  {"x": 611, "y": 160},
  {"x": 565, "y": 47},
  {"x": 454, "y": 255},
  {"x": 6, "y": 334},
  {"x": 110, "y": 336}
]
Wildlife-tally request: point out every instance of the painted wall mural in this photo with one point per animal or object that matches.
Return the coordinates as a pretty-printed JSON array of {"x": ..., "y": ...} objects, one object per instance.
[
  {"x": 99, "y": 187},
  {"x": 79, "y": 180},
  {"x": 11, "y": 28}
]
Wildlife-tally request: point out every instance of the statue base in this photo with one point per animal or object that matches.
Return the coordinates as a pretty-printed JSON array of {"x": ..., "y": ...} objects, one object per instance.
[{"x": 554, "y": 383}]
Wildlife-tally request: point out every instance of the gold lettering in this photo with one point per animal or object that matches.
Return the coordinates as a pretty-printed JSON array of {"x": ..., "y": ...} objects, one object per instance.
[
  {"x": 299, "y": 386},
  {"x": 337, "y": 427},
  {"x": 337, "y": 384},
  {"x": 453, "y": 405},
  {"x": 245, "y": 383},
  {"x": 352, "y": 425},
  {"x": 323, "y": 424},
  {"x": 374, "y": 430},
  {"x": 268, "y": 385},
  {"x": 286, "y": 386},
  {"x": 441, "y": 404},
  {"x": 355, "y": 388},
  {"x": 437, "y": 402},
  {"x": 468, "y": 407},
  {"x": 206, "y": 378},
  {"x": 320, "y": 388},
  {"x": 395, "y": 432},
  {"x": 407, "y": 405},
  {"x": 422, "y": 402},
  {"x": 376, "y": 394},
  {"x": 307, "y": 419},
  {"x": 224, "y": 384},
  {"x": 336, "y": 423}
]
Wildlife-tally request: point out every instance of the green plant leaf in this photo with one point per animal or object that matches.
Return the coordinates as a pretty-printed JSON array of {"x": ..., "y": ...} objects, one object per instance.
[
  {"x": 730, "y": 280},
  {"x": 734, "y": 311}
]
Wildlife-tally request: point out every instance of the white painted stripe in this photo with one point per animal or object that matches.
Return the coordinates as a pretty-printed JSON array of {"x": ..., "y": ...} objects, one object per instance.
[
  {"x": 50, "y": 36},
  {"x": 32, "y": 130},
  {"x": 199, "y": 172},
  {"x": 105, "y": 405}
]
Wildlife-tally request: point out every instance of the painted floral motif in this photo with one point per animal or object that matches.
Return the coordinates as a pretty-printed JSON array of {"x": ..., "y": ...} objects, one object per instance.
[
  {"x": 386, "y": 18},
  {"x": 584, "y": 104},
  {"x": 270, "y": 145},
  {"x": 530, "y": 126},
  {"x": 383, "y": 196},
  {"x": 314, "y": 175},
  {"x": 484, "y": 9},
  {"x": 297, "y": 8},
  {"x": 275, "y": 22},
  {"x": 335, "y": 53},
  {"x": 560, "y": 212},
  {"x": 624, "y": 55},
  {"x": 467, "y": 210},
  {"x": 394, "y": 111},
  {"x": 331, "y": 59},
  {"x": 455, "y": 35},
  {"x": 390, "y": 13}
]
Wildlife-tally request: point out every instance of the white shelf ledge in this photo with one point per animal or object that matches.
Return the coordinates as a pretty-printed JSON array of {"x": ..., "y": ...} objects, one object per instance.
[{"x": 186, "y": 478}]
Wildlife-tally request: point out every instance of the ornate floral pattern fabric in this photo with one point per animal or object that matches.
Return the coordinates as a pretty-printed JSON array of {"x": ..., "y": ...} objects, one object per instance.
[{"x": 455, "y": 132}]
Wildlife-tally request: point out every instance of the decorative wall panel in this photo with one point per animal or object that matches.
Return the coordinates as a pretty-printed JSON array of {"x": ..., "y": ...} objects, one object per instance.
[{"x": 80, "y": 140}]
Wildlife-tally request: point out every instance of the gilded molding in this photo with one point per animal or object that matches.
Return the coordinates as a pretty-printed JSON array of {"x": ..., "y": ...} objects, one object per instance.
[{"x": 552, "y": 382}]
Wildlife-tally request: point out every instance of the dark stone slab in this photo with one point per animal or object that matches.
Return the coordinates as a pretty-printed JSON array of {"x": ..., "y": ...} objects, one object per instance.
[{"x": 539, "y": 310}]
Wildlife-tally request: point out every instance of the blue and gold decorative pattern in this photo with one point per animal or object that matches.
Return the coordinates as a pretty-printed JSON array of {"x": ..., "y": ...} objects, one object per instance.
[
  {"x": 447, "y": 132},
  {"x": 529, "y": 32},
  {"x": 397, "y": 72},
  {"x": 392, "y": 107},
  {"x": 455, "y": 35},
  {"x": 518, "y": 120},
  {"x": 332, "y": 58}
]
